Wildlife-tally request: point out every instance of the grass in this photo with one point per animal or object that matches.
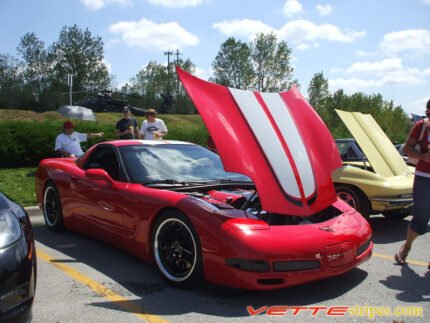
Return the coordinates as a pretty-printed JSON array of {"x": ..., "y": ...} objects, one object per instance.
[{"x": 18, "y": 184}]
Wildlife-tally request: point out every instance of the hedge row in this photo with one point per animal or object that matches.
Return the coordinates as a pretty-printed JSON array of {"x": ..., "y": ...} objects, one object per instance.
[{"x": 26, "y": 143}]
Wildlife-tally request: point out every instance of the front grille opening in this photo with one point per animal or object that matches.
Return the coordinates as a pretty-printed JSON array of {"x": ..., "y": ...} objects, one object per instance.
[
  {"x": 270, "y": 281},
  {"x": 285, "y": 266},
  {"x": 283, "y": 219}
]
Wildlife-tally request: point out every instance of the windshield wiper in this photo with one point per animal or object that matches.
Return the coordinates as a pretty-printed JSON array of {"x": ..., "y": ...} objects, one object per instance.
[{"x": 165, "y": 181}]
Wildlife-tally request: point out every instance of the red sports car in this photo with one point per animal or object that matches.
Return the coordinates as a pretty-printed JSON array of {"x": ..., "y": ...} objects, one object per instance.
[{"x": 262, "y": 214}]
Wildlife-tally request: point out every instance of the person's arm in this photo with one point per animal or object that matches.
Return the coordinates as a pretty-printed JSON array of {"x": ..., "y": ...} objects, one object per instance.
[
  {"x": 64, "y": 153},
  {"x": 136, "y": 129},
  {"x": 142, "y": 131},
  {"x": 95, "y": 134},
  {"x": 162, "y": 132}
]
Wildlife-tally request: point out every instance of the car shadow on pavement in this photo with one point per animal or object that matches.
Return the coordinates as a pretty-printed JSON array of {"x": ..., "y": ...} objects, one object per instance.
[
  {"x": 157, "y": 297},
  {"x": 413, "y": 287},
  {"x": 387, "y": 231}
]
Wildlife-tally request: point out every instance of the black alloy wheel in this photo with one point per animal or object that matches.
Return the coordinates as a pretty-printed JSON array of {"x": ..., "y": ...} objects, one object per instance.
[
  {"x": 52, "y": 210},
  {"x": 177, "y": 251}
]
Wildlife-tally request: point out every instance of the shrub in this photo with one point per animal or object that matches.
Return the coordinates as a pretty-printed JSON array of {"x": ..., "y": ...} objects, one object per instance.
[{"x": 26, "y": 143}]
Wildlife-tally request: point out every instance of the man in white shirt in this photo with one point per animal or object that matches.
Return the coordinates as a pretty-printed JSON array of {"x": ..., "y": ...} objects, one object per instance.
[
  {"x": 152, "y": 128},
  {"x": 68, "y": 143}
]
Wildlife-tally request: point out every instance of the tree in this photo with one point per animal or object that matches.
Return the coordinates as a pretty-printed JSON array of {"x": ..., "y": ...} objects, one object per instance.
[
  {"x": 233, "y": 66},
  {"x": 152, "y": 83},
  {"x": 35, "y": 64},
  {"x": 271, "y": 63},
  {"x": 77, "y": 52},
  {"x": 318, "y": 91}
]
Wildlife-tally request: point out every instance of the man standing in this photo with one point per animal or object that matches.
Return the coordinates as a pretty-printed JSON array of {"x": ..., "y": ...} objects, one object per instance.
[
  {"x": 153, "y": 128},
  {"x": 68, "y": 143},
  {"x": 127, "y": 127}
]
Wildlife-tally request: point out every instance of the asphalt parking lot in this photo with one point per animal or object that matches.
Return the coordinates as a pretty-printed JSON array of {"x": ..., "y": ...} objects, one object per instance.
[{"x": 83, "y": 280}]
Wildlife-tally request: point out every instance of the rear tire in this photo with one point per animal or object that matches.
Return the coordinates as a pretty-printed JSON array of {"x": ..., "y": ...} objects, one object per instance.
[
  {"x": 176, "y": 249},
  {"x": 52, "y": 209},
  {"x": 355, "y": 198}
]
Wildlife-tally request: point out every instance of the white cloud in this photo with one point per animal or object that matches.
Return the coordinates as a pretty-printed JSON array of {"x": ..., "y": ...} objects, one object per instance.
[
  {"x": 292, "y": 8},
  {"x": 296, "y": 31},
  {"x": 303, "y": 30},
  {"x": 98, "y": 4},
  {"x": 147, "y": 35},
  {"x": 203, "y": 74},
  {"x": 303, "y": 46},
  {"x": 426, "y": 2},
  {"x": 363, "y": 53},
  {"x": 414, "y": 41},
  {"x": 244, "y": 28},
  {"x": 324, "y": 9},
  {"x": 397, "y": 78},
  {"x": 384, "y": 66},
  {"x": 426, "y": 72},
  {"x": 175, "y": 3}
]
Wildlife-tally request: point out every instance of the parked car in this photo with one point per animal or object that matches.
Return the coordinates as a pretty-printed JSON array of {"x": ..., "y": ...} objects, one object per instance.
[
  {"x": 375, "y": 178},
  {"x": 237, "y": 219},
  {"x": 18, "y": 265}
]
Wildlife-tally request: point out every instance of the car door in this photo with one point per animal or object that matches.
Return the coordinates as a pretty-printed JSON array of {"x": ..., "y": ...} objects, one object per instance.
[{"x": 101, "y": 215}]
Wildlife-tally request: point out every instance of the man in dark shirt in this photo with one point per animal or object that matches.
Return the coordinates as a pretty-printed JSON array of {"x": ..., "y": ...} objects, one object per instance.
[{"x": 127, "y": 127}]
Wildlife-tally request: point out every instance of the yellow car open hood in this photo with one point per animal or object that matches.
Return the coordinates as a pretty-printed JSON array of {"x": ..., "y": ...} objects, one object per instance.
[{"x": 380, "y": 152}]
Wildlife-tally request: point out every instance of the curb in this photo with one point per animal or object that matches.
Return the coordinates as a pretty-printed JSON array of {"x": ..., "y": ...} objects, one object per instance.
[{"x": 33, "y": 210}]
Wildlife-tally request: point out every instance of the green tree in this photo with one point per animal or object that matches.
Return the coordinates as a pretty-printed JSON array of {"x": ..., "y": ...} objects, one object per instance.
[
  {"x": 79, "y": 53},
  {"x": 271, "y": 62},
  {"x": 233, "y": 66},
  {"x": 318, "y": 91},
  {"x": 35, "y": 64}
]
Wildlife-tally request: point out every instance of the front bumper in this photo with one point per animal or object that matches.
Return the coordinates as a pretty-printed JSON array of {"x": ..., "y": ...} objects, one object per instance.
[{"x": 391, "y": 203}]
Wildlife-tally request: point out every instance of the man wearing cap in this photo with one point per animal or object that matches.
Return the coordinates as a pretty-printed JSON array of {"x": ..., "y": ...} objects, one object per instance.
[
  {"x": 127, "y": 127},
  {"x": 68, "y": 143},
  {"x": 153, "y": 128}
]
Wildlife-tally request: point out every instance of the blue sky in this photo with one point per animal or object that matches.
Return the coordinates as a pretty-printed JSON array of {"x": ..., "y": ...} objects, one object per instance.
[{"x": 373, "y": 46}]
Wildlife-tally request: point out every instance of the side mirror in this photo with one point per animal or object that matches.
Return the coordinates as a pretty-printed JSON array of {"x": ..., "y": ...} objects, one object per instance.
[{"x": 98, "y": 174}]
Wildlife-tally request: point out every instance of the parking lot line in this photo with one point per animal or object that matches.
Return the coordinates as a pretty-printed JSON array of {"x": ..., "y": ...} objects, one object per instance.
[
  {"x": 409, "y": 261},
  {"x": 107, "y": 293}
]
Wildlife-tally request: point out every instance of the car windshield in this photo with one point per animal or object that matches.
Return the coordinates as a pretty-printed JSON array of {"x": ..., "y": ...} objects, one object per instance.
[{"x": 174, "y": 163}]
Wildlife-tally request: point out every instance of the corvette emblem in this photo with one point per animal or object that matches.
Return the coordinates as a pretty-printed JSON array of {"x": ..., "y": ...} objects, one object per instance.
[{"x": 328, "y": 229}]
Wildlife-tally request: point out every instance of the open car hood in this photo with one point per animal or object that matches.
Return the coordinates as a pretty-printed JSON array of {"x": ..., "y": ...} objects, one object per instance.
[
  {"x": 380, "y": 152},
  {"x": 276, "y": 139}
]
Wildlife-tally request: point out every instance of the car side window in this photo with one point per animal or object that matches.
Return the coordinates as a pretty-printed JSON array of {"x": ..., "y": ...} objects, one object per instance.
[{"x": 105, "y": 158}]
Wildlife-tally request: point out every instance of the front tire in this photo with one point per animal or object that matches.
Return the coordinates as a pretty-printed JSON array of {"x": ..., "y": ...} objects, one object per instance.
[
  {"x": 176, "y": 249},
  {"x": 52, "y": 210},
  {"x": 355, "y": 198}
]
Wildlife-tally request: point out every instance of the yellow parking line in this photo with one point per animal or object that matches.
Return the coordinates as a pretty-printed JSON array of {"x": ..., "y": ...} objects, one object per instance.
[
  {"x": 413, "y": 262},
  {"x": 107, "y": 293}
]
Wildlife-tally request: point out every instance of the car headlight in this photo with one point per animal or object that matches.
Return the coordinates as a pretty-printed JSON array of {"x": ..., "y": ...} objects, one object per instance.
[{"x": 10, "y": 230}]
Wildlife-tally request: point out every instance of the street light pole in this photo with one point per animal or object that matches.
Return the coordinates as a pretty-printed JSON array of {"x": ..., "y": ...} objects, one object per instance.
[{"x": 70, "y": 84}]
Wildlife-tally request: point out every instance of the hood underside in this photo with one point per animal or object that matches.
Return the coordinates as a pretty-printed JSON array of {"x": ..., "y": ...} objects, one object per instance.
[
  {"x": 379, "y": 150},
  {"x": 276, "y": 139}
]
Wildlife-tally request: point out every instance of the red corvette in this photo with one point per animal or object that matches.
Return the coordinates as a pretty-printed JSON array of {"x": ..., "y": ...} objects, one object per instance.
[{"x": 262, "y": 214}]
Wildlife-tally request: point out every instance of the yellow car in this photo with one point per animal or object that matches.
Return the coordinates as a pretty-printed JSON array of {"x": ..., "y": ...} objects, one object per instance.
[{"x": 375, "y": 178}]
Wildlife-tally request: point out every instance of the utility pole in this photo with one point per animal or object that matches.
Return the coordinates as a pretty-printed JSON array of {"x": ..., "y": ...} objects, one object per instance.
[
  {"x": 70, "y": 84},
  {"x": 168, "y": 53},
  {"x": 177, "y": 80}
]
